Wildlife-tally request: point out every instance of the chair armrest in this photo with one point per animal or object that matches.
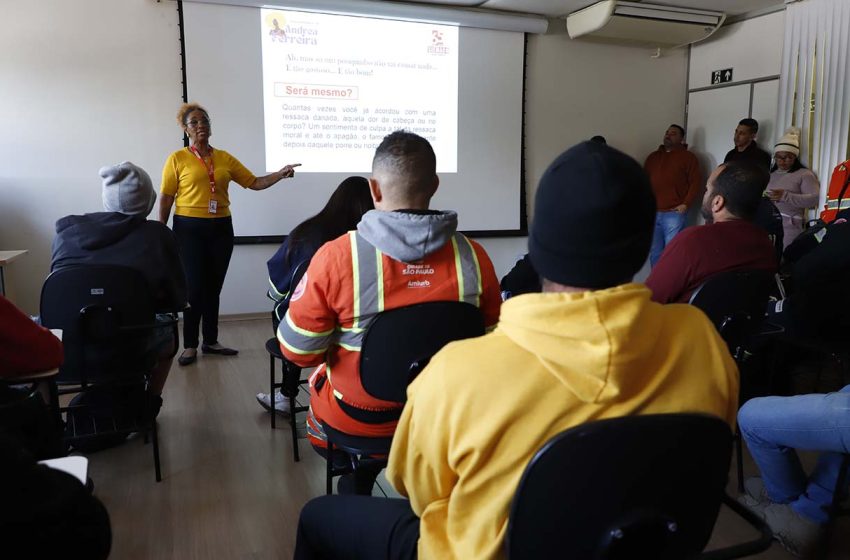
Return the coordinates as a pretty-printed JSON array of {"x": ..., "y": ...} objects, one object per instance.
[{"x": 747, "y": 548}]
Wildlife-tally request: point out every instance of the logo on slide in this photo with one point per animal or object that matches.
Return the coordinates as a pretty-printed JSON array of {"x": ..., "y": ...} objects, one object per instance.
[
  {"x": 295, "y": 32},
  {"x": 276, "y": 24},
  {"x": 437, "y": 46}
]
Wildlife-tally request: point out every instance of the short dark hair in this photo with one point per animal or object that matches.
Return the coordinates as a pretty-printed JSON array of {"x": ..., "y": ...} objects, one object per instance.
[
  {"x": 752, "y": 124},
  {"x": 680, "y": 129},
  {"x": 599, "y": 140},
  {"x": 741, "y": 184},
  {"x": 409, "y": 158}
]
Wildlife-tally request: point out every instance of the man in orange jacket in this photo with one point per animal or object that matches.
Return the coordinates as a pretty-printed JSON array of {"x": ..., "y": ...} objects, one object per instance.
[{"x": 401, "y": 254}]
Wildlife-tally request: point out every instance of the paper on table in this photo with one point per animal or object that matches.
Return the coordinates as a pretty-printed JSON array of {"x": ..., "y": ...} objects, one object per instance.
[{"x": 76, "y": 466}]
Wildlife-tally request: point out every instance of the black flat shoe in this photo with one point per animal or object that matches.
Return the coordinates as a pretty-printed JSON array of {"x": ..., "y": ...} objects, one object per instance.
[
  {"x": 221, "y": 351},
  {"x": 185, "y": 360}
]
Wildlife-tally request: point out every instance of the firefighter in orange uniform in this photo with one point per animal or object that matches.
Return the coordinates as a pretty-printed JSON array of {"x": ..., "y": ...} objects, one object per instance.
[
  {"x": 838, "y": 194},
  {"x": 401, "y": 254}
]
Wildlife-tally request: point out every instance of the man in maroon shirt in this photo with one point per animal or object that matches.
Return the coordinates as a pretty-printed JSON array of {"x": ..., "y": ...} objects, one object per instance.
[
  {"x": 728, "y": 241},
  {"x": 675, "y": 177}
]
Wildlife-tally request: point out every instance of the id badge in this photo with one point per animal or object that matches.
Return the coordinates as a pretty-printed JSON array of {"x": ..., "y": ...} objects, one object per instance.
[{"x": 213, "y": 206}]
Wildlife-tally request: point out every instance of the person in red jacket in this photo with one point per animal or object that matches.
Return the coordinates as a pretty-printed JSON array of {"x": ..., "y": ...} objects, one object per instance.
[
  {"x": 25, "y": 347},
  {"x": 728, "y": 241},
  {"x": 675, "y": 177},
  {"x": 402, "y": 253}
]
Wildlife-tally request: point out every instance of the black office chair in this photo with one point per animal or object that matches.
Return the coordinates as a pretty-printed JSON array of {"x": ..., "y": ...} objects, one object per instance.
[
  {"x": 289, "y": 385},
  {"x": 290, "y": 374},
  {"x": 397, "y": 345},
  {"x": 625, "y": 488},
  {"x": 107, "y": 317},
  {"x": 736, "y": 302}
]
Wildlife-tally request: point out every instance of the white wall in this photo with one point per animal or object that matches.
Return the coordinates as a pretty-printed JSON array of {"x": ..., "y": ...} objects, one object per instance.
[
  {"x": 577, "y": 89},
  {"x": 94, "y": 82},
  {"x": 84, "y": 84},
  {"x": 753, "y": 49}
]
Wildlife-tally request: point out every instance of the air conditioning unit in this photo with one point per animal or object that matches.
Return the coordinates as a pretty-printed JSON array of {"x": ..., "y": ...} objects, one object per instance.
[{"x": 643, "y": 24}]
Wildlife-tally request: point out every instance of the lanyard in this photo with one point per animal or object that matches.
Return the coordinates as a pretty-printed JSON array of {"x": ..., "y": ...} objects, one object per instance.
[{"x": 210, "y": 168}]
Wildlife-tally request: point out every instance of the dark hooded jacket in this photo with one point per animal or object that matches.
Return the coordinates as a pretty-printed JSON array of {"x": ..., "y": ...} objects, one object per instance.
[{"x": 119, "y": 239}]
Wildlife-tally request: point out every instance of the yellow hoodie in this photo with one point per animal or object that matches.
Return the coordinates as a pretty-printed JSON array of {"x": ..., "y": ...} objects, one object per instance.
[{"x": 483, "y": 407}]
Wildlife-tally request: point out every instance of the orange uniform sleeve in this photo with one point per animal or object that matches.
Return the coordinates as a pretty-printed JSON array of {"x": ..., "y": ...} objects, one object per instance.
[{"x": 307, "y": 330}]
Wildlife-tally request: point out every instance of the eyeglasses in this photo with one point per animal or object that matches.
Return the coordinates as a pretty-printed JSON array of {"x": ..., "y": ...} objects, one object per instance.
[{"x": 194, "y": 123}]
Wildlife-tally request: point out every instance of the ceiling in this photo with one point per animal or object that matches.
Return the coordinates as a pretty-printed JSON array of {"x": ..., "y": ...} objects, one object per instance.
[{"x": 554, "y": 8}]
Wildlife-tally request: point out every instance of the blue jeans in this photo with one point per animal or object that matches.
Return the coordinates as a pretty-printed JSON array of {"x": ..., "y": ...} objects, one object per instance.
[
  {"x": 667, "y": 225},
  {"x": 774, "y": 427}
]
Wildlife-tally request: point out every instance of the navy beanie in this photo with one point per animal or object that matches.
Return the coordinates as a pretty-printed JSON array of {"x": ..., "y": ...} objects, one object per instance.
[{"x": 594, "y": 214}]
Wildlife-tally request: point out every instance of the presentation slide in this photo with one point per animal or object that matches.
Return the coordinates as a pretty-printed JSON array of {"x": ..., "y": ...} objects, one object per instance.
[
  {"x": 334, "y": 86},
  {"x": 285, "y": 86}
]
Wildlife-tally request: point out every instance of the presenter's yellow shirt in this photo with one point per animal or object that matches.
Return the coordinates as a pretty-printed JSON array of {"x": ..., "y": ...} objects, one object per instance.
[{"x": 185, "y": 178}]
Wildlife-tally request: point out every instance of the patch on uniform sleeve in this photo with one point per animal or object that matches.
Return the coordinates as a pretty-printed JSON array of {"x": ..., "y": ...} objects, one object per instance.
[{"x": 299, "y": 289}]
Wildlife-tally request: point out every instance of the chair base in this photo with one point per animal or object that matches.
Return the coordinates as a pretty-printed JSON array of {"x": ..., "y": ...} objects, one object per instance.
[
  {"x": 287, "y": 370},
  {"x": 355, "y": 446}
]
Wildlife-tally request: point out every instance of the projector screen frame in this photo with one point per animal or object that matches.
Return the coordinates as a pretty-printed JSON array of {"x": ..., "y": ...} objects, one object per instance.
[{"x": 522, "y": 231}]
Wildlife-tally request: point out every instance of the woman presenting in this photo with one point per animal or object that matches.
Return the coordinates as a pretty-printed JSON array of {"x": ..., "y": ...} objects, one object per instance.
[{"x": 195, "y": 181}]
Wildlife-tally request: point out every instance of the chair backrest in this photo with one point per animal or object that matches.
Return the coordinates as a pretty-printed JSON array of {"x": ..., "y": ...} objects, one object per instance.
[
  {"x": 399, "y": 343},
  {"x": 106, "y": 313},
  {"x": 624, "y": 488},
  {"x": 736, "y": 302}
]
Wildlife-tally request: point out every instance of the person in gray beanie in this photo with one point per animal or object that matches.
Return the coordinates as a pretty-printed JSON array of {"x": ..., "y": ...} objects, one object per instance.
[
  {"x": 591, "y": 346},
  {"x": 127, "y": 189},
  {"x": 122, "y": 235}
]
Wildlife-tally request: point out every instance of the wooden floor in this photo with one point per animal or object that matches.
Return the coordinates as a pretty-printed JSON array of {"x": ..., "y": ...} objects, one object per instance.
[{"x": 230, "y": 488}]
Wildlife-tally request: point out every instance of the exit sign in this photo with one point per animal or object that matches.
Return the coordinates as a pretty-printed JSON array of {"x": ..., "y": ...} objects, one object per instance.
[{"x": 721, "y": 76}]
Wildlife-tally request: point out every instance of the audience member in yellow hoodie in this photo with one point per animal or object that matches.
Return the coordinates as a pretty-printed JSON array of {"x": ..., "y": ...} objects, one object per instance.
[{"x": 591, "y": 346}]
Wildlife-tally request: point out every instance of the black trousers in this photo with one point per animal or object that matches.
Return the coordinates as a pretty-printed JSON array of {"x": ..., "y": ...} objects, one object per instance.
[
  {"x": 206, "y": 245},
  {"x": 357, "y": 527}
]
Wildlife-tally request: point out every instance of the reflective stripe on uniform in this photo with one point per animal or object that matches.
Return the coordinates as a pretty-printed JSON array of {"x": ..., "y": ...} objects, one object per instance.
[
  {"x": 301, "y": 341},
  {"x": 336, "y": 393},
  {"x": 833, "y": 204},
  {"x": 350, "y": 339},
  {"x": 355, "y": 276},
  {"x": 368, "y": 290},
  {"x": 468, "y": 270},
  {"x": 273, "y": 293},
  {"x": 367, "y": 265},
  {"x": 379, "y": 279},
  {"x": 314, "y": 428}
]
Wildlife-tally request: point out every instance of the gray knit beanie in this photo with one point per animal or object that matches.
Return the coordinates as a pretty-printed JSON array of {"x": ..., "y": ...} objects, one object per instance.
[{"x": 127, "y": 189}]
